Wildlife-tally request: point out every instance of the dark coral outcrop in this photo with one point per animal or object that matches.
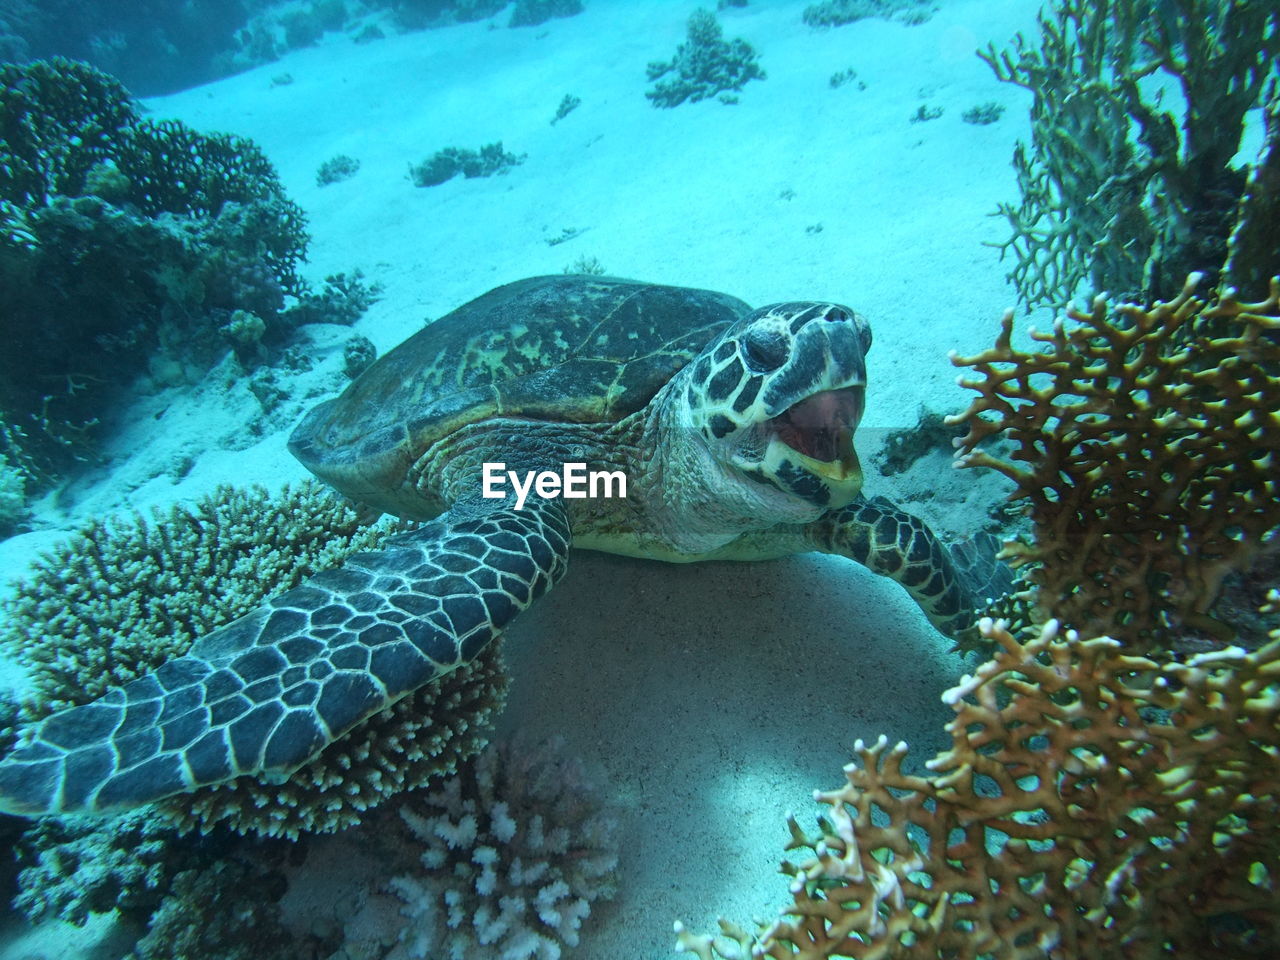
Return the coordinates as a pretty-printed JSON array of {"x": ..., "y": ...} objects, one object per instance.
[{"x": 122, "y": 241}]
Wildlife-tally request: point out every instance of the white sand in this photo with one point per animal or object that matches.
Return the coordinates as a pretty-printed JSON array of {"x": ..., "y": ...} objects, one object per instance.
[{"x": 712, "y": 699}]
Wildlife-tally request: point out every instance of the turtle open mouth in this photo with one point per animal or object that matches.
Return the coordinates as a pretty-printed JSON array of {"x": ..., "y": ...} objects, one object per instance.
[{"x": 820, "y": 428}]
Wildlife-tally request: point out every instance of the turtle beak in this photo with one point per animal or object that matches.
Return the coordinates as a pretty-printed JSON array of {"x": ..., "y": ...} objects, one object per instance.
[{"x": 819, "y": 431}]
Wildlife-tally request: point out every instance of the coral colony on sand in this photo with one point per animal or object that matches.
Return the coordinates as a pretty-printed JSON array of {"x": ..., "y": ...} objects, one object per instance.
[
  {"x": 446, "y": 164},
  {"x": 705, "y": 65},
  {"x": 515, "y": 852},
  {"x": 133, "y": 255}
]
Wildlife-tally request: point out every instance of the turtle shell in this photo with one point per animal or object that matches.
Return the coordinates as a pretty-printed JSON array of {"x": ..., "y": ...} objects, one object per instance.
[{"x": 557, "y": 349}]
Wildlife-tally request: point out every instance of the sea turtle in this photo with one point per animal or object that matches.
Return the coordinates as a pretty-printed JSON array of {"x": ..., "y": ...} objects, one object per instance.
[{"x": 733, "y": 429}]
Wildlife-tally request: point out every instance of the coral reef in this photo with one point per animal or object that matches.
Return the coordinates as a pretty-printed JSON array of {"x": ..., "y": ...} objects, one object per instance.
[
  {"x": 1253, "y": 249},
  {"x": 358, "y": 355},
  {"x": 834, "y": 13},
  {"x": 565, "y": 235},
  {"x": 266, "y": 30},
  {"x": 75, "y": 866},
  {"x": 13, "y": 497},
  {"x": 446, "y": 164},
  {"x": 304, "y": 27},
  {"x": 416, "y": 14},
  {"x": 1120, "y": 189},
  {"x": 983, "y": 113},
  {"x": 228, "y": 910},
  {"x": 586, "y": 264},
  {"x": 1143, "y": 452},
  {"x": 530, "y": 13},
  {"x": 517, "y": 849},
  {"x": 121, "y": 240},
  {"x": 155, "y": 48},
  {"x": 193, "y": 896},
  {"x": 841, "y": 77},
  {"x": 121, "y": 597},
  {"x": 9, "y": 714},
  {"x": 416, "y": 741},
  {"x": 466, "y": 11},
  {"x": 336, "y": 169},
  {"x": 1092, "y": 804},
  {"x": 11, "y": 829},
  {"x": 342, "y": 299},
  {"x": 63, "y": 119},
  {"x": 904, "y": 446},
  {"x": 705, "y": 65}
]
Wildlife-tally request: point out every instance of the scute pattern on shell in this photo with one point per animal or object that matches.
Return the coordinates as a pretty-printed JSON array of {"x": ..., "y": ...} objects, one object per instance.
[{"x": 580, "y": 349}]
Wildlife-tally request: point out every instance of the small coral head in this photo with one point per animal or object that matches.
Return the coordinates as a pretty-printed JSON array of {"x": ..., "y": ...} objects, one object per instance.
[{"x": 778, "y": 396}]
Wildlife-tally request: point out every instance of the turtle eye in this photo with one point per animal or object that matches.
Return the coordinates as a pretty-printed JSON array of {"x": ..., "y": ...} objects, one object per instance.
[{"x": 764, "y": 350}]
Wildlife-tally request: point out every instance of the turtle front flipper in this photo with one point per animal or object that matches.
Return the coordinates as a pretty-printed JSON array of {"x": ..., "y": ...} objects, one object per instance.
[
  {"x": 948, "y": 582},
  {"x": 267, "y": 692}
]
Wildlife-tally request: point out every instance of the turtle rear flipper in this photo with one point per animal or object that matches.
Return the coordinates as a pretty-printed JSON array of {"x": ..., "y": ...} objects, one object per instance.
[{"x": 267, "y": 692}]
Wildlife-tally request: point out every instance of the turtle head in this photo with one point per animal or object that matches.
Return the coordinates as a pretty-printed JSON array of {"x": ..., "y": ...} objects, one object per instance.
[{"x": 778, "y": 396}]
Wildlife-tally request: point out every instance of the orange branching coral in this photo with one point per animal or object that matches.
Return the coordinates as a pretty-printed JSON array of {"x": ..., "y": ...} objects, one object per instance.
[
  {"x": 1093, "y": 804},
  {"x": 1145, "y": 444}
]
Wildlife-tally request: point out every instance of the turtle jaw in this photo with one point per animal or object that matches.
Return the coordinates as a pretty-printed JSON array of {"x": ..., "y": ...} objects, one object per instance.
[
  {"x": 807, "y": 451},
  {"x": 817, "y": 433}
]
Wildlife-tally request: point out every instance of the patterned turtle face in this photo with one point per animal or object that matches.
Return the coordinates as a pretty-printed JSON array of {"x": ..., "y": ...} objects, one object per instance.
[{"x": 778, "y": 396}]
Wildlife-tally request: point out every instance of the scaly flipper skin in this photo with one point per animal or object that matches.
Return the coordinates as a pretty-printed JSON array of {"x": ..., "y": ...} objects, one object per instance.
[
  {"x": 267, "y": 692},
  {"x": 949, "y": 583}
]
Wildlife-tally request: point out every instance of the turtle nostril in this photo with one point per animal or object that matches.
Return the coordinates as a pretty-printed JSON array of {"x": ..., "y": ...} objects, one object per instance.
[
  {"x": 764, "y": 350},
  {"x": 836, "y": 315}
]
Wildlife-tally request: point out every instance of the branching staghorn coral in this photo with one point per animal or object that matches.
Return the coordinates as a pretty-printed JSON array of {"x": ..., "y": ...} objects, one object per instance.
[
  {"x": 517, "y": 849},
  {"x": 1118, "y": 188},
  {"x": 121, "y": 597},
  {"x": 1092, "y": 804},
  {"x": 1145, "y": 448}
]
